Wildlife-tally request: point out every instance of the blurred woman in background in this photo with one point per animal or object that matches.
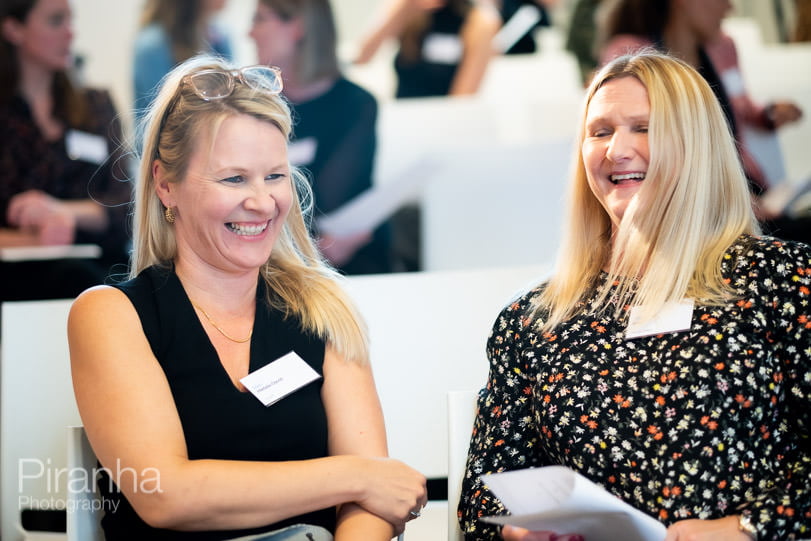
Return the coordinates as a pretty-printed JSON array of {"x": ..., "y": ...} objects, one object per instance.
[
  {"x": 61, "y": 176},
  {"x": 444, "y": 45},
  {"x": 171, "y": 32},
  {"x": 334, "y": 136}
]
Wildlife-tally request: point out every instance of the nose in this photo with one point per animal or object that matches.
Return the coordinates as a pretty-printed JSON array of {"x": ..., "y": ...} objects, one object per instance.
[
  {"x": 260, "y": 199},
  {"x": 620, "y": 147}
]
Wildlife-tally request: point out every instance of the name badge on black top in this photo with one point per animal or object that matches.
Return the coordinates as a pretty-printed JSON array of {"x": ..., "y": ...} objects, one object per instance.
[
  {"x": 278, "y": 379},
  {"x": 85, "y": 146}
]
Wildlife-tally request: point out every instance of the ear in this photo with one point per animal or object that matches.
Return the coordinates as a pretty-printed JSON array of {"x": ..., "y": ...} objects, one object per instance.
[
  {"x": 12, "y": 30},
  {"x": 163, "y": 187}
]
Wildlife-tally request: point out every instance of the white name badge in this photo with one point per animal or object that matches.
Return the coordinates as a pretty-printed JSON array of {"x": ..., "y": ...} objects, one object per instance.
[
  {"x": 442, "y": 48},
  {"x": 85, "y": 146},
  {"x": 302, "y": 152},
  {"x": 278, "y": 379},
  {"x": 674, "y": 317},
  {"x": 732, "y": 80}
]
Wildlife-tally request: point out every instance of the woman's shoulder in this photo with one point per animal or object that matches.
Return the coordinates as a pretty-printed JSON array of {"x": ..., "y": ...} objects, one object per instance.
[
  {"x": 152, "y": 50},
  {"x": 151, "y": 36},
  {"x": 99, "y": 307},
  {"x": 524, "y": 300},
  {"x": 772, "y": 254},
  {"x": 353, "y": 91}
]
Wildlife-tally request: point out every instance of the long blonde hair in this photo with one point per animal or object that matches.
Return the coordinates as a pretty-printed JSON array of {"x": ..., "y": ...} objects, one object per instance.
[
  {"x": 692, "y": 206},
  {"x": 298, "y": 280}
]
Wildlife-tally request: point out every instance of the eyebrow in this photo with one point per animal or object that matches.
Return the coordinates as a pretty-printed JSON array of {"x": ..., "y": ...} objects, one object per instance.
[{"x": 238, "y": 170}]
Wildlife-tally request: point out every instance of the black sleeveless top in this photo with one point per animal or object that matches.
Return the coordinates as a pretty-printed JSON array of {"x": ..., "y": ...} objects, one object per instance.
[{"x": 219, "y": 421}]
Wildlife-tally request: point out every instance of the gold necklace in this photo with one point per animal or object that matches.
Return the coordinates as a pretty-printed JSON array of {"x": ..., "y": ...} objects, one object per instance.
[{"x": 222, "y": 332}]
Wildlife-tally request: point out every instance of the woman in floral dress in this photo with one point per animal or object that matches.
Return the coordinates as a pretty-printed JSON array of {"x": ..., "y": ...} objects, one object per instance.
[{"x": 699, "y": 420}]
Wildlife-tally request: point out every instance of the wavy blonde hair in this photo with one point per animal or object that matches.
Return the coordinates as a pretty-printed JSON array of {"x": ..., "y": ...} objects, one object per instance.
[
  {"x": 299, "y": 281},
  {"x": 691, "y": 208}
]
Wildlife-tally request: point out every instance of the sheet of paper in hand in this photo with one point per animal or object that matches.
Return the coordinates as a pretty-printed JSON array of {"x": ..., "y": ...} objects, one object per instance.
[
  {"x": 369, "y": 209},
  {"x": 555, "y": 498}
]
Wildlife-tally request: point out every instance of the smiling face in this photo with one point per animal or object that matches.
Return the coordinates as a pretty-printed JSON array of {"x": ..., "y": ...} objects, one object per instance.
[
  {"x": 615, "y": 148},
  {"x": 231, "y": 206},
  {"x": 44, "y": 38}
]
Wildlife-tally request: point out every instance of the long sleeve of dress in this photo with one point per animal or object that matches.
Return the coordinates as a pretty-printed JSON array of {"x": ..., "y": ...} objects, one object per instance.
[
  {"x": 505, "y": 435},
  {"x": 783, "y": 511}
]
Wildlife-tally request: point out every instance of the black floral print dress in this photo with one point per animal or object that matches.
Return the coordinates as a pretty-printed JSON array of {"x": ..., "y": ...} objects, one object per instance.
[{"x": 696, "y": 424}]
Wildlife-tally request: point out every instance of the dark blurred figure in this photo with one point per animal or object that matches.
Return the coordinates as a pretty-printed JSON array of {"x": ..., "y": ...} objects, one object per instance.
[
  {"x": 526, "y": 43},
  {"x": 581, "y": 36},
  {"x": 62, "y": 177},
  {"x": 444, "y": 45},
  {"x": 802, "y": 21}
]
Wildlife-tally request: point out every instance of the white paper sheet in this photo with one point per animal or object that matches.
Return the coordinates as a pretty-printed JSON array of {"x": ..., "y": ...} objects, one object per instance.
[
  {"x": 558, "y": 499},
  {"x": 522, "y": 21},
  {"x": 367, "y": 211},
  {"x": 67, "y": 251}
]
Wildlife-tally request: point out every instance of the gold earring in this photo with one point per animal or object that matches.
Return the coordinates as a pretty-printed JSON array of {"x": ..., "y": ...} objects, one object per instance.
[{"x": 169, "y": 215}]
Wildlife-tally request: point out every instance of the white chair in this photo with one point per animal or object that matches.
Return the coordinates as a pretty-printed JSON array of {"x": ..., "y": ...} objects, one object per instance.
[
  {"x": 461, "y": 415},
  {"x": 36, "y": 404},
  {"x": 428, "y": 332},
  {"x": 83, "y": 504},
  {"x": 496, "y": 207}
]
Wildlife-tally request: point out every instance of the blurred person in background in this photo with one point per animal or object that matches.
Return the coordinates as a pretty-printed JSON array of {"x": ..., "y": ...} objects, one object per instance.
[
  {"x": 334, "y": 136},
  {"x": 444, "y": 46},
  {"x": 62, "y": 180},
  {"x": 170, "y": 32}
]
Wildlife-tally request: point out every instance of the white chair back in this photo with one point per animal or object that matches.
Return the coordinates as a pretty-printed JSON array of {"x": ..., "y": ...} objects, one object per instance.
[
  {"x": 428, "y": 332},
  {"x": 461, "y": 415},
  {"x": 84, "y": 506},
  {"x": 36, "y": 404},
  {"x": 496, "y": 207}
]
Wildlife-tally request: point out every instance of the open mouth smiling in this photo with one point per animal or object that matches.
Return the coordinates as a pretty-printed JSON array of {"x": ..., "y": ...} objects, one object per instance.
[
  {"x": 627, "y": 178},
  {"x": 247, "y": 230}
]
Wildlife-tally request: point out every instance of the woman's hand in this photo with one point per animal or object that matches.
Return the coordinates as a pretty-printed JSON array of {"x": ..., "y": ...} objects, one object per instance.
[
  {"x": 51, "y": 220},
  {"x": 722, "y": 529},
  {"x": 781, "y": 113},
  {"x": 514, "y": 533},
  {"x": 393, "y": 491}
]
